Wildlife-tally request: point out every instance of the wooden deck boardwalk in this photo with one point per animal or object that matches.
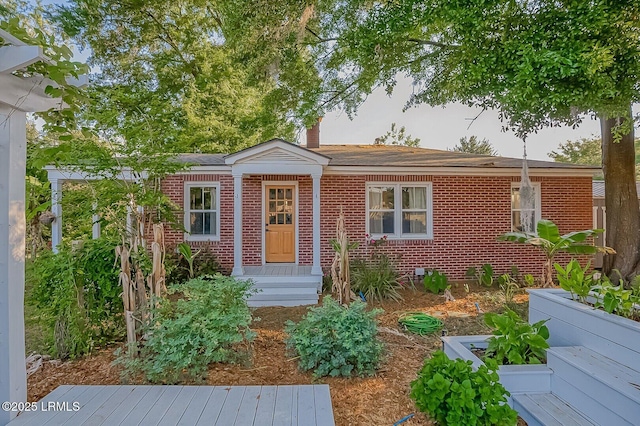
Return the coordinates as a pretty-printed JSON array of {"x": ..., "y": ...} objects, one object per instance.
[{"x": 183, "y": 405}]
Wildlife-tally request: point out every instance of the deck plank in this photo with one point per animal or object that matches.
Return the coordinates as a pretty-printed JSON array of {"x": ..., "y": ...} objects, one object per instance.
[
  {"x": 179, "y": 406},
  {"x": 231, "y": 406},
  {"x": 306, "y": 409},
  {"x": 162, "y": 404},
  {"x": 196, "y": 406},
  {"x": 248, "y": 406},
  {"x": 324, "y": 410},
  {"x": 266, "y": 406},
  {"x": 187, "y": 405},
  {"x": 283, "y": 406},
  {"x": 87, "y": 399},
  {"x": 134, "y": 396}
]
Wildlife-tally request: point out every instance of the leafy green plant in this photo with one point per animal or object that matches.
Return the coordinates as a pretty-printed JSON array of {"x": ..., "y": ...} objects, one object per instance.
[
  {"x": 436, "y": 282},
  {"x": 334, "y": 340},
  {"x": 484, "y": 275},
  {"x": 188, "y": 255},
  {"x": 376, "y": 278},
  {"x": 549, "y": 240},
  {"x": 529, "y": 280},
  {"x": 77, "y": 295},
  {"x": 616, "y": 299},
  {"x": 453, "y": 394},
  {"x": 515, "y": 341},
  {"x": 575, "y": 279},
  {"x": 179, "y": 270},
  {"x": 208, "y": 323}
]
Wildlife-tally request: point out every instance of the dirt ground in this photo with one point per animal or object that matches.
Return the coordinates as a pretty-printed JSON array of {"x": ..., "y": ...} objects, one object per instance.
[{"x": 379, "y": 400}]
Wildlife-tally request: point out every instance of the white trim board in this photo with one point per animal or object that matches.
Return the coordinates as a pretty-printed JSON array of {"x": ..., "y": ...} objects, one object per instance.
[{"x": 186, "y": 210}]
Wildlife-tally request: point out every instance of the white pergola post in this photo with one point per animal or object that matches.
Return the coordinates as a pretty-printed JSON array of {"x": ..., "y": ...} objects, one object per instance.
[
  {"x": 238, "y": 270},
  {"x": 13, "y": 379},
  {"x": 17, "y": 97},
  {"x": 56, "y": 209},
  {"x": 316, "y": 269}
]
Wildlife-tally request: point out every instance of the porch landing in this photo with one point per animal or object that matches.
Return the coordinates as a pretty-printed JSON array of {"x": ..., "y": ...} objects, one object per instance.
[
  {"x": 283, "y": 285},
  {"x": 184, "y": 405}
]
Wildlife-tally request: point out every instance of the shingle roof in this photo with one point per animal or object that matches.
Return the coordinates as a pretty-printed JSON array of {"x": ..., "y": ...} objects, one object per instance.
[
  {"x": 399, "y": 156},
  {"x": 598, "y": 188}
]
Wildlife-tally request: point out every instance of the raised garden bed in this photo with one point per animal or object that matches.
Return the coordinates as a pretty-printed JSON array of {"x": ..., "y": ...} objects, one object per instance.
[
  {"x": 515, "y": 378},
  {"x": 572, "y": 323}
]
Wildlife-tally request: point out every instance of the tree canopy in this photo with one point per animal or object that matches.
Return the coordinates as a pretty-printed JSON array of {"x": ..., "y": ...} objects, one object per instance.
[
  {"x": 397, "y": 136},
  {"x": 473, "y": 145}
]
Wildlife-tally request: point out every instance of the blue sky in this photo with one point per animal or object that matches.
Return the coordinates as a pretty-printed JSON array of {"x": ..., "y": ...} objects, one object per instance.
[{"x": 438, "y": 128}]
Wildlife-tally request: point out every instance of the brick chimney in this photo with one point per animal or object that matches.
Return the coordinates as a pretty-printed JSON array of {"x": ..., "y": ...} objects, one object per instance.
[{"x": 313, "y": 135}]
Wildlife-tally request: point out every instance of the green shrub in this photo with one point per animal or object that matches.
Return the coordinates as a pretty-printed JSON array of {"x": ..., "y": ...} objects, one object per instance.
[
  {"x": 376, "y": 278},
  {"x": 453, "y": 394},
  {"x": 208, "y": 323},
  {"x": 515, "y": 341},
  {"x": 333, "y": 340},
  {"x": 77, "y": 294},
  {"x": 179, "y": 269},
  {"x": 436, "y": 282}
]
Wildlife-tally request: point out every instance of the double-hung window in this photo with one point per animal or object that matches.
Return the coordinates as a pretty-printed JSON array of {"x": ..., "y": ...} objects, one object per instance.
[
  {"x": 399, "y": 210},
  {"x": 202, "y": 211},
  {"x": 518, "y": 209}
]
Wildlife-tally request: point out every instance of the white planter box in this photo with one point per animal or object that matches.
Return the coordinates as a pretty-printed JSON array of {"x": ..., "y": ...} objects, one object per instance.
[
  {"x": 515, "y": 378},
  {"x": 572, "y": 323}
]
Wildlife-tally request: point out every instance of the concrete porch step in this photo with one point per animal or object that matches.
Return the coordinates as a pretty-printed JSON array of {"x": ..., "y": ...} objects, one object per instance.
[
  {"x": 601, "y": 388},
  {"x": 546, "y": 409}
]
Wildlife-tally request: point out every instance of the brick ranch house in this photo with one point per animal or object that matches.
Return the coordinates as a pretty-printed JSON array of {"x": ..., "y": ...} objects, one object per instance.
[{"x": 268, "y": 212}]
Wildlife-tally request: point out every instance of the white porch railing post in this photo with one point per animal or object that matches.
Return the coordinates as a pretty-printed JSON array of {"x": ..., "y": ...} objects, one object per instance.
[
  {"x": 13, "y": 141},
  {"x": 238, "y": 270},
  {"x": 56, "y": 209},
  {"x": 316, "y": 269}
]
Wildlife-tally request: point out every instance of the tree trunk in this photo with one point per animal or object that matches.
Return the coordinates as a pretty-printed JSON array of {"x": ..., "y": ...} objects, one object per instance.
[{"x": 621, "y": 200}]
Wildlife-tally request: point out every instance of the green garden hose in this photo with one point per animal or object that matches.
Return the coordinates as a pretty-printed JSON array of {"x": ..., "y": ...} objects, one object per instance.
[{"x": 420, "y": 323}]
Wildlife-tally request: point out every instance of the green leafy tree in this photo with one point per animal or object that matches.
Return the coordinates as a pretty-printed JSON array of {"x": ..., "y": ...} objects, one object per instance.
[
  {"x": 539, "y": 64},
  {"x": 397, "y": 136},
  {"x": 472, "y": 145},
  {"x": 166, "y": 80},
  {"x": 587, "y": 151}
]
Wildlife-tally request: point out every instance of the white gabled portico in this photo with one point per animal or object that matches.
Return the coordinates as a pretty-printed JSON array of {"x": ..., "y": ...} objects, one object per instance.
[{"x": 275, "y": 157}]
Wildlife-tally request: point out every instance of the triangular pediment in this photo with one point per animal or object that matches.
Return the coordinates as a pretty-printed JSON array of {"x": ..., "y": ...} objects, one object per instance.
[{"x": 277, "y": 151}]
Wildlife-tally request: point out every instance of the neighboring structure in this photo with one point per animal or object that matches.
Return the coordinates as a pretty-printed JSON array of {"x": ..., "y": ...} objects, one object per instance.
[
  {"x": 269, "y": 212},
  {"x": 600, "y": 216}
]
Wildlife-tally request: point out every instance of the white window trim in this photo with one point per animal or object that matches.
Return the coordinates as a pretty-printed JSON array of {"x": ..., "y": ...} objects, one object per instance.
[
  {"x": 538, "y": 210},
  {"x": 187, "y": 211},
  {"x": 397, "y": 202}
]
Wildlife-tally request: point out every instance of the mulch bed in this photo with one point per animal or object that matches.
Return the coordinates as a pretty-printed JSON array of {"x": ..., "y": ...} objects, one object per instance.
[{"x": 379, "y": 400}]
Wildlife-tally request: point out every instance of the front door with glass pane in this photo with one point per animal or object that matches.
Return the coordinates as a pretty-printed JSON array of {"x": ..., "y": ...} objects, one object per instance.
[{"x": 280, "y": 230}]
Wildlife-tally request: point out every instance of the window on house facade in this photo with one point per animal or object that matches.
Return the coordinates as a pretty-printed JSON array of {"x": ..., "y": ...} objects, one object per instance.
[
  {"x": 202, "y": 213},
  {"x": 517, "y": 207},
  {"x": 399, "y": 210}
]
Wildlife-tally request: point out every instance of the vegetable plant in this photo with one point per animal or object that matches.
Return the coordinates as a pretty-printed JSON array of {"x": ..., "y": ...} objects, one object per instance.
[
  {"x": 616, "y": 299},
  {"x": 575, "y": 279},
  {"x": 508, "y": 286},
  {"x": 515, "y": 341},
  {"x": 189, "y": 256},
  {"x": 335, "y": 340},
  {"x": 484, "y": 275},
  {"x": 453, "y": 394},
  {"x": 548, "y": 239},
  {"x": 208, "y": 323},
  {"x": 436, "y": 282}
]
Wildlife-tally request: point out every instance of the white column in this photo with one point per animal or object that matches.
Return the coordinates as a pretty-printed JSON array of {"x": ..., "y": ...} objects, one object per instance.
[
  {"x": 316, "y": 269},
  {"x": 56, "y": 209},
  {"x": 238, "y": 270},
  {"x": 95, "y": 229},
  {"x": 13, "y": 378}
]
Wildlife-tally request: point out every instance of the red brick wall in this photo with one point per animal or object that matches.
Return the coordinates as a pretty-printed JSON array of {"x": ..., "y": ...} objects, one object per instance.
[{"x": 468, "y": 214}]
